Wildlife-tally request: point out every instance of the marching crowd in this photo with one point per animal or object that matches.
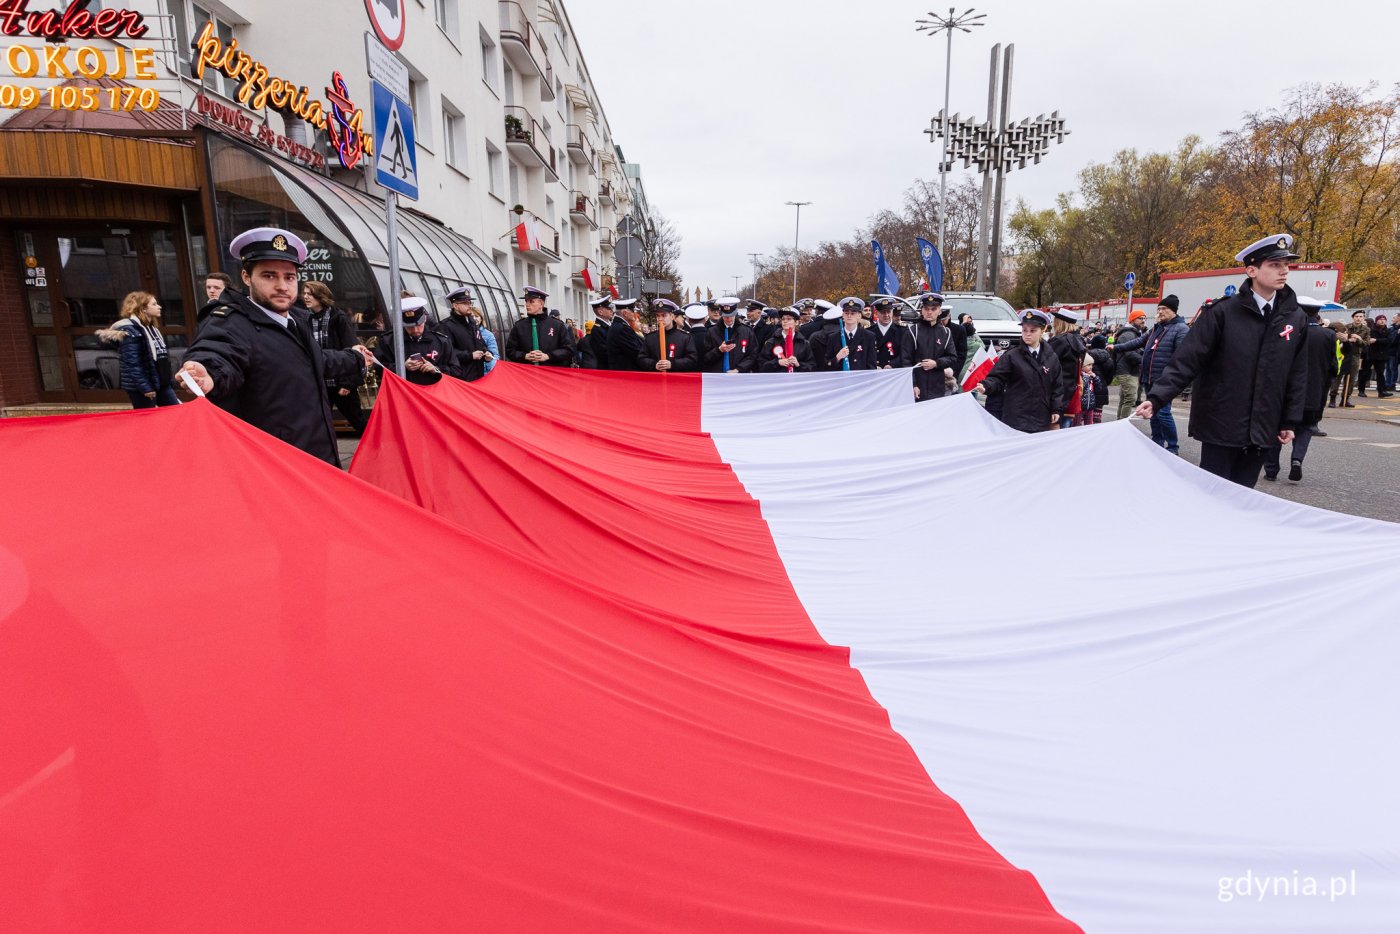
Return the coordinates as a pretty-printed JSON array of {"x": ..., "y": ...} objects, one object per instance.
[{"x": 1261, "y": 365}]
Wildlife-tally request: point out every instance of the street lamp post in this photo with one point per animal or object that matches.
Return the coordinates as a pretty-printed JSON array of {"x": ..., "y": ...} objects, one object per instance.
[
  {"x": 797, "y": 230},
  {"x": 754, "y": 257},
  {"x": 933, "y": 26}
]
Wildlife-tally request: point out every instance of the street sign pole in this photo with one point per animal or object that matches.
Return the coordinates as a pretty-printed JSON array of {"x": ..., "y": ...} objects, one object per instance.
[
  {"x": 1130, "y": 280},
  {"x": 391, "y": 217}
]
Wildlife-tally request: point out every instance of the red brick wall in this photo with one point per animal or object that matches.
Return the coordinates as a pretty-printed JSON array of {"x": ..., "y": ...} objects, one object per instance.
[{"x": 19, "y": 373}]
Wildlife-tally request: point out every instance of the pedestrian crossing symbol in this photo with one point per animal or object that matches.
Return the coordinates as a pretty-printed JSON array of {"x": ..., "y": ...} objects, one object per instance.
[{"x": 396, "y": 161}]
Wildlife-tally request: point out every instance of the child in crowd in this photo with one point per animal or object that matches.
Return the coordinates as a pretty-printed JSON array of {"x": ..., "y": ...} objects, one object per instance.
[{"x": 1092, "y": 397}]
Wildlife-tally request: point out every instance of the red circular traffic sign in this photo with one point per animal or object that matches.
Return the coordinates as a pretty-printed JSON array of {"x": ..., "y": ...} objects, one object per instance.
[{"x": 388, "y": 19}]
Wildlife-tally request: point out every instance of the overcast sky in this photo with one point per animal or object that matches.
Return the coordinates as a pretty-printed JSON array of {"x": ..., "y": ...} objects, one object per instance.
[{"x": 734, "y": 107}]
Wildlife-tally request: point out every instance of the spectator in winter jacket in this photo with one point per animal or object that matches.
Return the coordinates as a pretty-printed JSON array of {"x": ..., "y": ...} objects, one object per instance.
[
  {"x": 145, "y": 361},
  {"x": 1392, "y": 365},
  {"x": 1246, "y": 357},
  {"x": 1128, "y": 363},
  {"x": 332, "y": 330},
  {"x": 1354, "y": 344},
  {"x": 1377, "y": 352},
  {"x": 1321, "y": 349},
  {"x": 1092, "y": 393},
  {"x": 1069, "y": 346},
  {"x": 1157, "y": 347}
]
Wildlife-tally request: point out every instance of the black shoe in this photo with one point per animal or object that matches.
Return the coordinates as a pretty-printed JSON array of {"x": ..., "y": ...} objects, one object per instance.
[
  {"x": 1361, "y": 395},
  {"x": 1332, "y": 404},
  {"x": 1348, "y": 405},
  {"x": 1384, "y": 395},
  {"x": 1319, "y": 433},
  {"x": 1270, "y": 476},
  {"x": 1295, "y": 472}
]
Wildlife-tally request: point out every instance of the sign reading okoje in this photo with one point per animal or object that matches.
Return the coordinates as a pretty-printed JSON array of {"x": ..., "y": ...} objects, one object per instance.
[{"x": 396, "y": 157}]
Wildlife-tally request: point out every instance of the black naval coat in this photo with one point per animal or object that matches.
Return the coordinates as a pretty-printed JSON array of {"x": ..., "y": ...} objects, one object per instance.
[
  {"x": 741, "y": 358},
  {"x": 464, "y": 337},
  {"x": 827, "y": 344},
  {"x": 1070, "y": 349},
  {"x": 556, "y": 339},
  {"x": 931, "y": 342},
  {"x": 813, "y": 327},
  {"x": 435, "y": 348},
  {"x": 1322, "y": 368},
  {"x": 597, "y": 340},
  {"x": 680, "y": 350},
  {"x": 1031, "y": 391},
  {"x": 1250, "y": 370},
  {"x": 624, "y": 346},
  {"x": 273, "y": 377},
  {"x": 893, "y": 347},
  {"x": 801, "y": 349}
]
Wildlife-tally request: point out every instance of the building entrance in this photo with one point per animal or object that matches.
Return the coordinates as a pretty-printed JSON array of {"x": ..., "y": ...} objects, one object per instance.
[{"x": 74, "y": 279}]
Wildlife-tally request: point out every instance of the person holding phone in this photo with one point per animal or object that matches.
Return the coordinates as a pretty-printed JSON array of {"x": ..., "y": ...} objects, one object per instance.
[{"x": 427, "y": 354}]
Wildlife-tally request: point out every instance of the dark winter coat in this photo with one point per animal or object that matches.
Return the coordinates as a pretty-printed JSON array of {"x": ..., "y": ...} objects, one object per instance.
[
  {"x": 1322, "y": 368},
  {"x": 773, "y": 350},
  {"x": 1250, "y": 371},
  {"x": 556, "y": 339},
  {"x": 931, "y": 342},
  {"x": 827, "y": 344},
  {"x": 624, "y": 346},
  {"x": 140, "y": 370},
  {"x": 960, "y": 346},
  {"x": 1069, "y": 348},
  {"x": 339, "y": 335},
  {"x": 742, "y": 358},
  {"x": 464, "y": 338},
  {"x": 1128, "y": 362},
  {"x": 597, "y": 341},
  {"x": 1030, "y": 387},
  {"x": 893, "y": 348},
  {"x": 273, "y": 377},
  {"x": 680, "y": 350},
  {"x": 436, "y": 349},
  {"x": 1379, "y": 352},
  {"x": 1162, "y": 343}
]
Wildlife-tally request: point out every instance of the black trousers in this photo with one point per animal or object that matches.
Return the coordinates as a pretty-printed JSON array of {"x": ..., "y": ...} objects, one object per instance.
[
  {"x": 349, "y": 406},
  {"x": 1238, "y": 465}
]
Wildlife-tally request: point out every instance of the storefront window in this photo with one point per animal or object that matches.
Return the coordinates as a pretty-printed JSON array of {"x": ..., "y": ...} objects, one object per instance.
[{"x": 98, "y": 272}]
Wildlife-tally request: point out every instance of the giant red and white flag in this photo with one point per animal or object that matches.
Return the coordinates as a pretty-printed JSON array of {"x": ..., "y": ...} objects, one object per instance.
[{"x": 615, "y": 652}]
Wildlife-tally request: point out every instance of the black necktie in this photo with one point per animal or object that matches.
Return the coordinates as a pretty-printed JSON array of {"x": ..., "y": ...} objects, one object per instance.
[{"x": 1267, "y": 308}]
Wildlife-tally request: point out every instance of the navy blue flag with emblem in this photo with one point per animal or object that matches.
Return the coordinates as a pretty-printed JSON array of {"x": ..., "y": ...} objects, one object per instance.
[
  {"x": 886, "y": 282},
  {"x": 933, "y": 264}
]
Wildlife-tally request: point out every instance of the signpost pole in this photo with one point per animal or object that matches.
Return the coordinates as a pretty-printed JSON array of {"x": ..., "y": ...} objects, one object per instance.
[
  {"x": 395, "y": 322},
  {"x": 1130, "y": 280}
]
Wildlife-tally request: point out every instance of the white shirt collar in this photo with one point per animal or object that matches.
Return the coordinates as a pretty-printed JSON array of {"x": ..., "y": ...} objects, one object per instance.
[
  {"x": 1260, "y": 301},
  {"x": 283, "y": 320}
]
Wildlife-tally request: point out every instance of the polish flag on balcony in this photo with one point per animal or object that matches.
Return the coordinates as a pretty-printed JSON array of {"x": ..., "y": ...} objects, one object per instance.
[
  {"x": 590, "y": 279},
  {"x": 527, "y": 235}
]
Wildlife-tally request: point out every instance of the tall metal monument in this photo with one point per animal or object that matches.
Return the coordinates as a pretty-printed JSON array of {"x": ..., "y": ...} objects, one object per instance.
[{"x": 994, "y": 147}]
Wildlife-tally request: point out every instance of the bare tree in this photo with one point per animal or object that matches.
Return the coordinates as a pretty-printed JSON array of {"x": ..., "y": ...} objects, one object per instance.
[{"x": 661, "y": 252}]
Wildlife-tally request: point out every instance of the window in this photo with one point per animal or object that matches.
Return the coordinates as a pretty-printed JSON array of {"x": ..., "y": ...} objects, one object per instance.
[
  {"x": 445, "y": 14},
  {"x": 514, "y": 184},
  {"x": 422, "y": 101},
  {"x": 490, "y": 70},
  {"x": 454, "y": 136},
  {"x": 493, "y": 169},
  {"x": 549, "y": 212},
  {"x": 198, "y": 16},
  {"x": 508, "y": 83}
]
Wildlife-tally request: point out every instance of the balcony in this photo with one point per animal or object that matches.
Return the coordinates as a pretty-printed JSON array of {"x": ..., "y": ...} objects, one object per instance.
[
  {"x": 606, "y": 242},
  {"x": 545, "y": 243},
  {"x": 605, "y": 193},
  {"x": 522, "y": 46},
  {"x": 580, "y": 149},
  {"x": 527, "y": 144},
  {"x": 582, "y": 266},
  {"x": 581, "y": 210},
  {"x": 547, "y": 82}
]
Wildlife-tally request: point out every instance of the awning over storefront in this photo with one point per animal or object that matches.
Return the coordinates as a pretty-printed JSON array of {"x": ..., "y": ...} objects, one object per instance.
[{"x": 433, "y": 260}]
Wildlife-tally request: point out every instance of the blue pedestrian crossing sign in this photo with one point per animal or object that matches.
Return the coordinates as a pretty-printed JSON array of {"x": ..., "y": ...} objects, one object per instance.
[{"x": 396, "y": 157}]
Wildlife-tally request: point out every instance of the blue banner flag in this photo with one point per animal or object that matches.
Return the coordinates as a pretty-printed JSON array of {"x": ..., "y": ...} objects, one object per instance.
[
  {"x": 886, "y": 282},
  {"x": 933, "y": 264}
]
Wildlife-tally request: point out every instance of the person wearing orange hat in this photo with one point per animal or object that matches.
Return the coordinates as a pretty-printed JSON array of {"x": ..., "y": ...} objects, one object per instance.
[{"x": 1127, "y": 363}]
